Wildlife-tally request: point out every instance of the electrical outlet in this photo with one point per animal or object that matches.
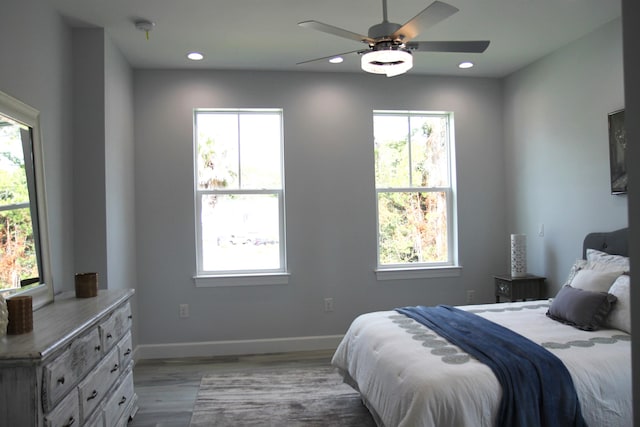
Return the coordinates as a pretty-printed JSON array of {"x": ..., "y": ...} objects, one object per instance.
[
  {"x": 183, "y": 310},
  {"x": 328, "y": 304},
  {"x": 470, "y": 295}
]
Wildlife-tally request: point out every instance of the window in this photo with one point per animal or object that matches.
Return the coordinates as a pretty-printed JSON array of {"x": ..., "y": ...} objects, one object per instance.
[
  {"x": 415, "y": 189},
  {"x": 25, "y": 266},
  {"x": 239, "y": 192}
]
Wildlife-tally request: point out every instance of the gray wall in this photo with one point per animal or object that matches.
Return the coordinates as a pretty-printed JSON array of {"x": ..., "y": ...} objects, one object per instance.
[
  {"x": 104, "y": 197},
  {"x": 119, "y": 170},
  {"x": 89, "y": 197},
  {"x": 556, "y": 150},
  {"x": 330, "y": 200},
  {"x": 119, "y": 166},
  {"x": 36, "y": 67}
]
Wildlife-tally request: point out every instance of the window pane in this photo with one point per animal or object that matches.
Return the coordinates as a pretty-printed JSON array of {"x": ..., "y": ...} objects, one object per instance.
[
  {"x": 18, "y": 255},
  {"x": 13, "y": 176},
  {"x": 260, "y": 151},
  {"x": 240, "y": 232},
  {"x": 429, "y": 151},
  {"x": 413, "y": 227},
  {"x": 218, "y": 156},
  {"x": 391, "y": 151},
  {"x": 18, "y": 260}
]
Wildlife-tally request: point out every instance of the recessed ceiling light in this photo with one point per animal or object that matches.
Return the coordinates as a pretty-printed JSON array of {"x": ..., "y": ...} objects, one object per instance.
[
  {"x": 195, "y": 56},
  {"x": 465, "y": 64},
  {"x": 336, "y": 60}
]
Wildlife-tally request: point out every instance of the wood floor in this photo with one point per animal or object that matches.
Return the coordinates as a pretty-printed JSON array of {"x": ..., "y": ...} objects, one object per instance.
[{"x": 167, "y": 388}]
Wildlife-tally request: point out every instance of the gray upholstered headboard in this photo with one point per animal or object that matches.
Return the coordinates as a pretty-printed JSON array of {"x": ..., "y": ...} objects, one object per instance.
[{"x": 612, "y": 242}]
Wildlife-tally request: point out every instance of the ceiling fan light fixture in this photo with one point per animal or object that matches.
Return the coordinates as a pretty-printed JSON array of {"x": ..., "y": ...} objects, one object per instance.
[{"x": 391, "y": 62}]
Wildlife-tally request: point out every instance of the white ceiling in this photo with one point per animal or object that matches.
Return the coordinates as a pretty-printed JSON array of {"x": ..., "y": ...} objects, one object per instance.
[{"x": 264, "y": 35}]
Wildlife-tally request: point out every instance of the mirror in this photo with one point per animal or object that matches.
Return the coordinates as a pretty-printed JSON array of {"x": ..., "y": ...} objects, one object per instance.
[{"x": 25, "y": 266}]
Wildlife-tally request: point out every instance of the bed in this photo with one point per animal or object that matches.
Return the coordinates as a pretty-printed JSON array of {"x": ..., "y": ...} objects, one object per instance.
[{"x": 409, "y": 375}]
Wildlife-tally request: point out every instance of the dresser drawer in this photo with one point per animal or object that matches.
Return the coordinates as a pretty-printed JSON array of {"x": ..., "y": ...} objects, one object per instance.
[
  {"x": 115, "y": 327},
  {"x": 125, "y": 349},
  {"x": 95, "y": 386},
  {"x": 96, "y": 420},
  {"x": 63, "y": 373},
  {"x": 66, "y": 414},
  {"x": 119, "y": 401}
]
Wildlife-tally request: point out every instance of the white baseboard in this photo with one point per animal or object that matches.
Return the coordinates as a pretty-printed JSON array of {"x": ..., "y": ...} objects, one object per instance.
[{"x": 236, "y": 347}]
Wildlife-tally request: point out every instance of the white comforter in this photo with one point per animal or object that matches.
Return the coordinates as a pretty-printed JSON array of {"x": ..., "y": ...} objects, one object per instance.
[{"x": 409, "y": 376}]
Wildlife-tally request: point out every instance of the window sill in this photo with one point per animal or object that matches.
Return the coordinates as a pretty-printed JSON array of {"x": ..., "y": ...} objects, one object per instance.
[
  {"x": 418, "y": 273},
  {"x": 241, "y": 280}
]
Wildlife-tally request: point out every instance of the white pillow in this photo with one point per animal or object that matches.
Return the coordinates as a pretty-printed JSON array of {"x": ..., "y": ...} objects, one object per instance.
[
  {"x": 603, "y": 261},
  {"x": 594, "y": 280},
  {"x": 577, "y": 266},
  {"x": 620, "y": 316}
]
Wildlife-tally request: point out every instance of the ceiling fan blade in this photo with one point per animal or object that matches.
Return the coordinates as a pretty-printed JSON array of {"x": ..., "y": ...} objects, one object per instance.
[
  {"x": 330, "y": 29},
  {"x": 330, "y": 56},
  {"x": 434, "y": 13},
  {"x": 475, "y": 46}
]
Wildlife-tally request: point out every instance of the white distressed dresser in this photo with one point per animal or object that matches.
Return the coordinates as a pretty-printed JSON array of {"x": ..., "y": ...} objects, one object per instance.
[{"x": 75, "y": 368}]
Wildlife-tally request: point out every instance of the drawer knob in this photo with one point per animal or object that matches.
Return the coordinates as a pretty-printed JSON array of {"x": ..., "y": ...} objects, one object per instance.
[
  {"x": 97, "y": 348},
  {"x": 93, "y": 395},
  {"x": 61, "y": 380},
  {"x": 130, "y": 317},
  {"x": 128, "y": 352},
  {"x": 109, "y": 336},
  {"x": 115, "y": 368},
  {"x": 122, "y": 401},
  {"x": 70, "y": 422}
]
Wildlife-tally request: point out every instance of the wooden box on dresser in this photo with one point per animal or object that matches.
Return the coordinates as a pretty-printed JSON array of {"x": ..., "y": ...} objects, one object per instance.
[{"x": 75, "y": 368}]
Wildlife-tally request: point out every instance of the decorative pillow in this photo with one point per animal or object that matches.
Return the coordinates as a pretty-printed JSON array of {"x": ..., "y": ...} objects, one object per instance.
[
  {"x": 582, "y": 309},
  {"x": 577, "y": 266},
  {"x": 603, "y": 261},
  {"x": 620, "y": 315},
  {"x": 594, "y": 280}
]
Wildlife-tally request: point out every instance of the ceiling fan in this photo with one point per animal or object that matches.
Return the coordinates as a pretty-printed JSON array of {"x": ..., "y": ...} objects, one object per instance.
[{"x": 390, "y": 48}]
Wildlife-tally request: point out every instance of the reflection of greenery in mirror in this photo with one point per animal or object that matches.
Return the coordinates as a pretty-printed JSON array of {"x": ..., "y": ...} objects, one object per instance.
[
  {"x": 18, "y": 260},
  {"x": 25, "y": 267}
]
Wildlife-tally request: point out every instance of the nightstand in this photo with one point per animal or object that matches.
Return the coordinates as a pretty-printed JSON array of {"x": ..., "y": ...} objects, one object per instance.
[{"x": 518, "y": 288}]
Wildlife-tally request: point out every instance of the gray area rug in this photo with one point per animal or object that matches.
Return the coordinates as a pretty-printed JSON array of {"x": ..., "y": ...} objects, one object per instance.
[{"x": 308, "y": 396}]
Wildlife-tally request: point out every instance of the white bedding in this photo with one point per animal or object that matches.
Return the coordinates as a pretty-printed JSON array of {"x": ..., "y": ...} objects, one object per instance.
[{"x": 409, "y": 376}]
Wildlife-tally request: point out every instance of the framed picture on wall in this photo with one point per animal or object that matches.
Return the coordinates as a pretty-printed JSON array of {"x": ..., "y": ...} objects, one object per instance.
[{"x": 617, "y": 152}]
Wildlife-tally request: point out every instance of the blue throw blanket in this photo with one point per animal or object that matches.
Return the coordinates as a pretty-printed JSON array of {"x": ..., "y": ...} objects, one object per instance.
[{"x": 537, "y": 389}]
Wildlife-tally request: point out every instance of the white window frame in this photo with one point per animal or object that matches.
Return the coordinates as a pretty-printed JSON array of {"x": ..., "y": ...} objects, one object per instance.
[
  {"x": 243, "y": 277},
  {"x": 29, "y": 116},
  {"x": 451, "y": 268}
]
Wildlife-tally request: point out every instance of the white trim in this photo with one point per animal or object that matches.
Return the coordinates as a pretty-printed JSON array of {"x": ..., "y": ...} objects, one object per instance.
[
  {"x": 199, "y": 193},
  {"x": 241, "y": 280},
  {"x": 450, "y": 192},
  {"x": 418, "y": 273},
  {"x": 236, "y": 347}
]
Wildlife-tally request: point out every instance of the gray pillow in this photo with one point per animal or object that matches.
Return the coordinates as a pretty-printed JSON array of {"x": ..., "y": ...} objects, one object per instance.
[{"x": 579, "y": 308}]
